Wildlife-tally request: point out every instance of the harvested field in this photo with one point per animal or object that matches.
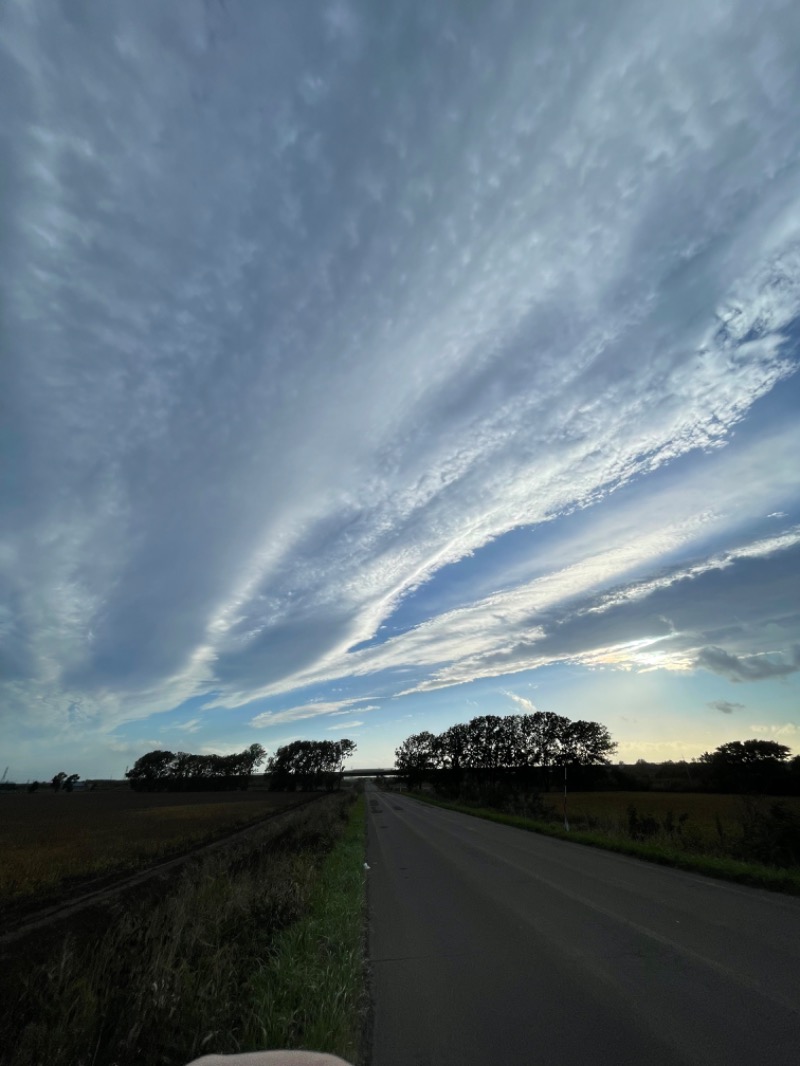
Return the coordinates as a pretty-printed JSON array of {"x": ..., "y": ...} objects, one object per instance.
[{"x": 48, "y": 839}]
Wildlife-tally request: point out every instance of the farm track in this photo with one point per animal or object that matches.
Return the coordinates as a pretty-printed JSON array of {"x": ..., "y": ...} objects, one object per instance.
[{"x": 29, "y": 920}]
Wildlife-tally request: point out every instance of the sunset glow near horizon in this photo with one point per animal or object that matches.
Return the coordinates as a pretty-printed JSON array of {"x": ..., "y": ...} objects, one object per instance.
[{"x": 366, "y": 368}]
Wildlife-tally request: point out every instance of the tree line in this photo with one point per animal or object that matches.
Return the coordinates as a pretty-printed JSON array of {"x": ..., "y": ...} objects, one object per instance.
[
  {"x": 522, "y": 748},
  {"x": 754, "y": 766},
  {"x": 309, "y": 764},
  {"x": 304, "y": 764},
  {"x": 531, "y": 751}
]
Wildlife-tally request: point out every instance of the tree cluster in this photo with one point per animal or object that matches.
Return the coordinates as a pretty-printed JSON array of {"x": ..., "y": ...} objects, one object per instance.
[
  {"x": 309, "y": 764},
  {"x": 525, "y": 746},
  {"x": 750, "y": 766},
  {"x": 63, "y": 781},
  {"x": 166, "y": 771}
]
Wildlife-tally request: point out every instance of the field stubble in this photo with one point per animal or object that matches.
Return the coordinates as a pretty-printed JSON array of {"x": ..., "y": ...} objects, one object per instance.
[{"x": 48, "y": 840}]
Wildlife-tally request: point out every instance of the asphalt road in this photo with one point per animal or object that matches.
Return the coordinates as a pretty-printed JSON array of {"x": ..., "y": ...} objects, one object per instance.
[{"x": 494, "y": 946}]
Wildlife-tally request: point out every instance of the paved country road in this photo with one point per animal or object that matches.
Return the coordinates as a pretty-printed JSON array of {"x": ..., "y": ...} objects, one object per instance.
[{"x": 490, "y": 945}]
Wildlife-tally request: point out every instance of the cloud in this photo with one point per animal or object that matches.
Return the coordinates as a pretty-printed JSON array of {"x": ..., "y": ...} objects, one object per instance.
[
  {"x": 329, "y": 312},
  {"x": 784, "y": 729},
  {"x": 749, "y": 667},
  {"x": 344, "y": 725},
  {"x": 192, "y": 726},
  {"x": 725, "y": 706},
  {"x": 313, "y": 709},
  {"x": 527, "y": 706}
]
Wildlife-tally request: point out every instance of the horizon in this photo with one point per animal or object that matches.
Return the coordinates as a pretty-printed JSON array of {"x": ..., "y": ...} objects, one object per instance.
[{"x": 369, "y": 370}]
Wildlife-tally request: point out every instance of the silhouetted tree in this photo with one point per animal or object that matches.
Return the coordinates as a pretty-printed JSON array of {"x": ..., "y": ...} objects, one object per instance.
[
  {"x": 747, "y": 766},
  {"x": 495, "y": 750},
  {"x": 309, "y": 764},
  {"x": 183, "y": 771},
  {"x": 417, "y": 754}
]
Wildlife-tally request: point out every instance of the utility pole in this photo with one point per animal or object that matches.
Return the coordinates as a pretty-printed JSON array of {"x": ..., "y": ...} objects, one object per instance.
[
  {"x": 566, "y": 822},
  {"x": 5, "y": 774}
]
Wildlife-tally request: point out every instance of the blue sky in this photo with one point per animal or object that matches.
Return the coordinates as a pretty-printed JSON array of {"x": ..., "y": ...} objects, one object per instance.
[{"x": 369, "y": 367}]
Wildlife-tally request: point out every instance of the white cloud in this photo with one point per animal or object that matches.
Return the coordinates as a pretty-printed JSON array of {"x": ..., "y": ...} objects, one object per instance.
[
  {"x": 315, "y": 709},
  {"x": 784, "y": 729},
  {"x": 527, "y": 706},
  {"x": 303, "y": 345}
]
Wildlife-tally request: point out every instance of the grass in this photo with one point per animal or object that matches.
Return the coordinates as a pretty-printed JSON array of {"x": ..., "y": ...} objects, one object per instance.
[
  {"x": 710, "y": 817},
  {"x": 311, "y": 995},
  {"x": 49, "y": 839},
  {"x": 258, "y": 945},
  {"x": 694, "y": 851}
]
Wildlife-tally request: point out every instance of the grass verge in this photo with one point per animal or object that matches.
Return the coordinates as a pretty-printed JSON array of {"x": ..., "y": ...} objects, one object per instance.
[
  {"x": 311, "y": 993},
  {"x": 744, "y": 873},
  {"x": 258, "y": 946}
]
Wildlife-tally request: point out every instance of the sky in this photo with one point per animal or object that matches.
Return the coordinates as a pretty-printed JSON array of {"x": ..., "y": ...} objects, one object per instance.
[{"x": 368, "y": 367}]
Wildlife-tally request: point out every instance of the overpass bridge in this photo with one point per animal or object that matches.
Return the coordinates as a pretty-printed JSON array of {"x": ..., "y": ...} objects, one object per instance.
[{"x": 390, "y": 772}]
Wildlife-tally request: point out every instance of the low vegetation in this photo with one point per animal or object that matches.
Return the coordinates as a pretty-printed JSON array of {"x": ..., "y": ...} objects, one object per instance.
[
  {"x": 48, "y": 839},
  {"x": 257, "y": 946}
]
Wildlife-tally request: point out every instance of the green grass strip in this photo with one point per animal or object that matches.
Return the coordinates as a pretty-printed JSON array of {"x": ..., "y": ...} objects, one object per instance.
[
  {"x": 743, "y": 873},
  {"x": 311, "y": 993}
]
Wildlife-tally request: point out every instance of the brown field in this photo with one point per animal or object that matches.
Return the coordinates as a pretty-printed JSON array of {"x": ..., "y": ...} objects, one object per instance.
[
  {"x": 707, "y": 812},
  {"x": 49, "y": 838}
]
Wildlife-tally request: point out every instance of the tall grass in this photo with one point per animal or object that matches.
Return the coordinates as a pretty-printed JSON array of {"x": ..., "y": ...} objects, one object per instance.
[
  {"x": 311, "y": 993},
  {"x": 198, "y": 970}
]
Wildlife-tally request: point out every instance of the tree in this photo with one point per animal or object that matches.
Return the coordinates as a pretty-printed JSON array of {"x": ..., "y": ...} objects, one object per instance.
[
  {"x": 58, "y": 781},
  {"x": 503, "y": 749},
  {"x": 70, "y": 782},
  {"x": 586, "y": 743},
  {"x": 151, "y": 769},
  {"x": 307, "y": 764},
  {"x": 747, "y": 766},
  {"x": 416, "y": 755}
]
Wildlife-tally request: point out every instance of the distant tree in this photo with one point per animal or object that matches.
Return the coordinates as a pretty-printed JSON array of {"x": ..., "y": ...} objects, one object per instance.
[
  {"x": 183, "y": 771},
  {"x": 309, "y": 764},
  {"x": 33, "y": 786},
  {"x": 417, "y": 755},
  {"x": 452, "y": 747},
  {"x": 495, "y": 751},
  {"x": 747, "y": 766},
  {"x": 586, "y": 744},
  {"x": 151, "y": 769},
  {"x": 58, "y": 780},
  {"x": 70, "y": 782}
]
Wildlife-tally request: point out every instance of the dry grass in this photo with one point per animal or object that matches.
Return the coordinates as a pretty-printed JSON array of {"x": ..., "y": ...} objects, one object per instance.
[
  {"x": 710, "y": 817},
  {"x": 254, "y": 945},
  {"x": 47, "y": 839}
]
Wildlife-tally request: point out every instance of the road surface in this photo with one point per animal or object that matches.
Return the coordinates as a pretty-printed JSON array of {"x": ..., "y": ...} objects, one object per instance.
[{"x": 489, "y": 945}]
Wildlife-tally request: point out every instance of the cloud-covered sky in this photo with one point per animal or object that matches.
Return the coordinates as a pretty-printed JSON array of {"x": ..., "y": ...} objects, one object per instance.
[{"x": 410, "y": 359}]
